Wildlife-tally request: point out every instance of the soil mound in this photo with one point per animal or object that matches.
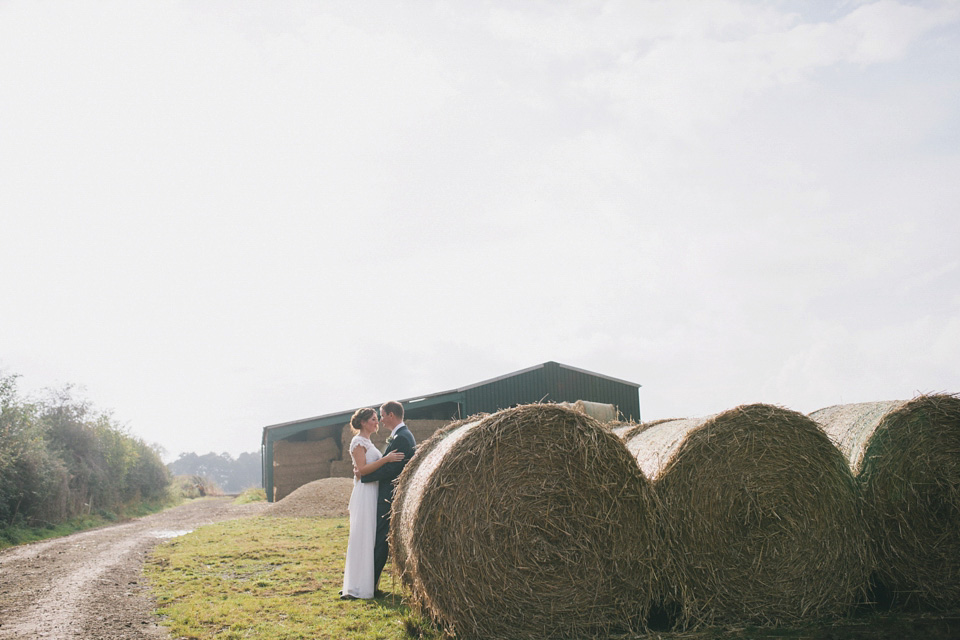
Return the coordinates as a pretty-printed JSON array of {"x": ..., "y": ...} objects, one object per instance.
[{"x": 324, "y": 498}]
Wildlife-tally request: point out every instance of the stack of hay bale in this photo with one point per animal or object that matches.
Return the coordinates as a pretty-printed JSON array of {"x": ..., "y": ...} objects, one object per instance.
[
  {"x": 906, "y": 457},
  {"x": 297, "y": 463},
  {"x": 539, "y": 521}
]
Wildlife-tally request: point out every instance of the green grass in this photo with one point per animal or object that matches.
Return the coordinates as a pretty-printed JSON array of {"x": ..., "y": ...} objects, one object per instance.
[
  {"x": 22, "y": 534},
  {"x": 251, "y": 495},
  {"x": 278, "y": 578},
  {"x": 270, "y": 579}
]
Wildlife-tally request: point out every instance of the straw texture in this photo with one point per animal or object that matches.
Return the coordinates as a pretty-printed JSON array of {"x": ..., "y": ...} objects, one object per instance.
[
  {"x": 907, "y": 459},
  {"x": 298, "y": 463},
  {"x": 601, "y": 411},
  {"x": 399, "y": 515},
  {"x": 759, "y": 515},
  {"x": 532, "y": 522}
]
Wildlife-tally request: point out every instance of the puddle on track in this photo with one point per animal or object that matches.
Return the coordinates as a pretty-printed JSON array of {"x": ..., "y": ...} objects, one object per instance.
[{"x": 164, "y": 535}]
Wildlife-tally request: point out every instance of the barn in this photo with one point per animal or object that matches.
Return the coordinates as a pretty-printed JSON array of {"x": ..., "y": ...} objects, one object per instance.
[{"x": 298, "y": 452}]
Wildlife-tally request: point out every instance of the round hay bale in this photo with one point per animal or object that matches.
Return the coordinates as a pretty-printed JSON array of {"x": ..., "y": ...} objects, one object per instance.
[
  {"x": 759, "y": 515},
  {"x": 620, "y": 429},
  {"x": 906, "y": 456},
  {"x": 627, "y": 430},
  {"x": 398, "y": 514},
  {"x": 532, "y": 522}
]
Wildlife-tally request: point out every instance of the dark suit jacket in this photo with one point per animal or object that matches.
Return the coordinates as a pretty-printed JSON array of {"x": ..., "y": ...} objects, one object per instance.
[{"x": 387, "y": 474}]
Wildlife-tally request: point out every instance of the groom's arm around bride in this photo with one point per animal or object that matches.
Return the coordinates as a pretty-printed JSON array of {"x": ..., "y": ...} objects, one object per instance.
[{"x": 401, "y": 439}]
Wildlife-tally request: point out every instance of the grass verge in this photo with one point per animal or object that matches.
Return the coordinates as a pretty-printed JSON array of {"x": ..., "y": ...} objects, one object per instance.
[
  {"x": 11, "y": 536},
  {"x": 270, "y": 579},
  {"x": 278, "y": 579},
  {"x": 251, "y": 495}
]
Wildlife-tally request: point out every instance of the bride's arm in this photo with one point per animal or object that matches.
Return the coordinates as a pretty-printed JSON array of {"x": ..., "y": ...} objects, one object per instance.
[{"x": 360, "y": 463}]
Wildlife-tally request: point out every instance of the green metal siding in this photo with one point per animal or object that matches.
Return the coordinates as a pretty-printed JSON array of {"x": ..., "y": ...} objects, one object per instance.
[
  {"x": 570, "y": 385},
  {"x": 552, "y": 382},
  {"x": 523, "y": 388},
  {"x": 549, "y": 382},
  {"x": 266, "y": 462}
]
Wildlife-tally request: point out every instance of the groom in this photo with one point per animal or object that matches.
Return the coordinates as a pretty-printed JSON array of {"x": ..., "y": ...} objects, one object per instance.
[{"x": 391, "y": 417}]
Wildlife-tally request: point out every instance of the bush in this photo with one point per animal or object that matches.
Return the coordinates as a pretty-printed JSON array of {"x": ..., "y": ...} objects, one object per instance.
[
  {"x": 60, "y": 459},
  {"x": 188, "y": 487},
  {"x": 28, "y": 473},
  {"x": 252, "y": 495}
]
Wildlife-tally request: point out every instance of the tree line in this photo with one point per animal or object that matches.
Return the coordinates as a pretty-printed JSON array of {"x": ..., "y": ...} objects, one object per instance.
[
  {"x": 61, "y": 458},
  {"x": 229, "y": 475}
]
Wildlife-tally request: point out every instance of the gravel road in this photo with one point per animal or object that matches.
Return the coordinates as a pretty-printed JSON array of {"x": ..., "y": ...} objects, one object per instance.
[{"x": 90, "y": 585}]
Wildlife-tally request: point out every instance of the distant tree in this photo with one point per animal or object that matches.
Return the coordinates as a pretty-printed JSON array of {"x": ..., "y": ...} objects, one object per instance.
[
  {"x": 233, "y": 476},
  {"x": 148, "y": 477},
  {"x": 248, "y": 472}
]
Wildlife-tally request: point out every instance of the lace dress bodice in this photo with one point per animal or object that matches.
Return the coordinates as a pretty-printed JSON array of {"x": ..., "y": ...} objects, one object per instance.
[{"x": 372, "y": 454}]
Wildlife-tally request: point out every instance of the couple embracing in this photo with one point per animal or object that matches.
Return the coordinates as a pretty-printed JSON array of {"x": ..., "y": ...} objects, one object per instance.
[{"x": 374, "y": 474}]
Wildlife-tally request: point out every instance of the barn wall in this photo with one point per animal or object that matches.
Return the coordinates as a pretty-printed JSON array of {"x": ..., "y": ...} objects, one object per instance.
[
  {"x": 552, "y": 383},
  {"x": 305, "y": 452}
]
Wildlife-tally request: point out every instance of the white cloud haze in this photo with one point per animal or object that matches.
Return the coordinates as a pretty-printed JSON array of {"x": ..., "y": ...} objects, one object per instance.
[{"x": 216, "y": 216}]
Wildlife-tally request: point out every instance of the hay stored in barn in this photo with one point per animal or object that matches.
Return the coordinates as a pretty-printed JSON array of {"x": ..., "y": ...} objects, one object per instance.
[
  {"x": 297, "y": 463},
  {"x": 532, "y": 522},
  {"x": 341, "y": 469},
  {"x": 601, "y": 411},
  {"x": 759, "y": 514},
  {"x": 906, "y": 456}
]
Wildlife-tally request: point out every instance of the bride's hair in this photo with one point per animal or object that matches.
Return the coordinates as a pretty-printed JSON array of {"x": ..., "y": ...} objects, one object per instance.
[{"x": 360, "y": 416}]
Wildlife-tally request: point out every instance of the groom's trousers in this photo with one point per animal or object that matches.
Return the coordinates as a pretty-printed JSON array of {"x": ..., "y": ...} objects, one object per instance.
[{"x": 380, "y": 546}]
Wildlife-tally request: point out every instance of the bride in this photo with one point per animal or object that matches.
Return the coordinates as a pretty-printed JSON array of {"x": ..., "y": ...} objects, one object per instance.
[{"x": 358, "y": 570}]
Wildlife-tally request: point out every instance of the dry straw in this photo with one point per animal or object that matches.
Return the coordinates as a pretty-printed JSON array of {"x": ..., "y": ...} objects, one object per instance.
[
  {"x": 906, "y": 456},
  {"x": 620, "y": 429},
  {"x": 533, "y": 522},
  {"x": 400, "y": 526},
  {"x": 603, "y": 412},
  {"x": 759, "y": 516}
]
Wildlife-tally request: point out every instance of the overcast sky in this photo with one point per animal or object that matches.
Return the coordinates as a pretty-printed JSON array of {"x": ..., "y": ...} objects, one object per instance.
[{"x": 217, "y": 216}]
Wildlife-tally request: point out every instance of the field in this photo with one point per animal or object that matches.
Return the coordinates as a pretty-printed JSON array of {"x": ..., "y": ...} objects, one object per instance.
[
  {"x": 277, "y": 578},
  {"x": 267, "y": 578}
]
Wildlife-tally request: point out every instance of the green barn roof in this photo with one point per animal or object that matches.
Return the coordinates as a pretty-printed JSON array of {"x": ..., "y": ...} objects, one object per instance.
[{"x": 547, "y": 382}]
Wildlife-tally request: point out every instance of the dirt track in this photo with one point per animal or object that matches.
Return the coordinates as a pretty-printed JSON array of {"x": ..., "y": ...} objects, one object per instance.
[{"x": 89, "y": 585}]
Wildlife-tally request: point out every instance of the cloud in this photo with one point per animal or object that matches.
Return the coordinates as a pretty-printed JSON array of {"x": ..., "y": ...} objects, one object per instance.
[
  {"x": 675, "y": 76},
  {"x": 209, "y": 205}
]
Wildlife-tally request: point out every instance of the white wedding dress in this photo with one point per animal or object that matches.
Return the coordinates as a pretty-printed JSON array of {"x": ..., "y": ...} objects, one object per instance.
[{"x": 358, "y": 569}]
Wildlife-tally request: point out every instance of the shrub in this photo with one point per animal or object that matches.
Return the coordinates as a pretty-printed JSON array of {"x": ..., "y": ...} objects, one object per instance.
[{"x": 60, "y": 459}]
